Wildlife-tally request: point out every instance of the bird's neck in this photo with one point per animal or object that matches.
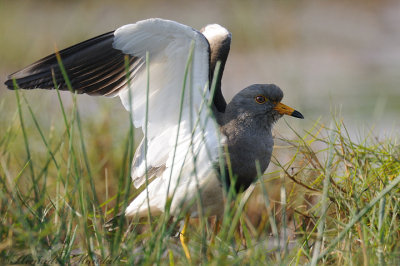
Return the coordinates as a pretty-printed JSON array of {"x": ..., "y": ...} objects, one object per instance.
[
  {"x": 249, "y": 142},
  {"x": 249, "y": 132},
  {"x": 247, "y": 122}
]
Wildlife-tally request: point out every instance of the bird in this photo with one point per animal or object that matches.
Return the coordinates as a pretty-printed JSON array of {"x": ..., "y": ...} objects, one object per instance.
[{"x": 196, "y": 146}]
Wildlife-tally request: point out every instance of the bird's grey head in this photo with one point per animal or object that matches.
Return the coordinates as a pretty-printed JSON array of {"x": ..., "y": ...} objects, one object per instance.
[{"x": 260, "y": 103}]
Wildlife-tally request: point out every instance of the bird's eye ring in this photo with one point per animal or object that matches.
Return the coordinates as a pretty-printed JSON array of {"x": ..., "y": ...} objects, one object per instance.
[{"x": 260, "y": 99}]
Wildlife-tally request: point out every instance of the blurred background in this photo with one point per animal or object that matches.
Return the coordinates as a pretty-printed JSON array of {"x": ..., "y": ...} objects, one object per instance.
[{"x": 339, "y": 57}]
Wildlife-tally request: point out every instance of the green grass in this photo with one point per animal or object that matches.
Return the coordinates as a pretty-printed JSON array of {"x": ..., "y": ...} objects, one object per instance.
[
  {"x": 56, "y": 194},
  {"x": 335, "y": 201}
]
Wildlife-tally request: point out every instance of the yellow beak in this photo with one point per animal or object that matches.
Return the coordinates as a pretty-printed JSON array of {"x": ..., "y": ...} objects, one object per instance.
[{"x": 286, "y": 110}]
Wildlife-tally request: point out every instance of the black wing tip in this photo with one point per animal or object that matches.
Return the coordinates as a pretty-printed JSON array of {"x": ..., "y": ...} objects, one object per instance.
[
  {"x": 10, "y": 83},
  {"x": 19, "y": 84}
]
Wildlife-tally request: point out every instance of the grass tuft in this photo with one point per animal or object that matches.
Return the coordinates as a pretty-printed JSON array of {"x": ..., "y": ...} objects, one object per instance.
[
  {"x": 335, "y": 200},
  {"x": 342, "y": 202}
]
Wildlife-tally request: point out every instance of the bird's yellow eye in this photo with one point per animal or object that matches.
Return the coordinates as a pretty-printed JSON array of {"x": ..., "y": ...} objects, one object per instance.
[{"x": 260, "y": 99}]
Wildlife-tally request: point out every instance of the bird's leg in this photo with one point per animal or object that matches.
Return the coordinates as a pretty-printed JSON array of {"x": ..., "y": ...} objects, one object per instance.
[
  {"x": 184, "y": 239},
  {"x": 241, "y": 234},
  {"x": 217, "y": 227}
]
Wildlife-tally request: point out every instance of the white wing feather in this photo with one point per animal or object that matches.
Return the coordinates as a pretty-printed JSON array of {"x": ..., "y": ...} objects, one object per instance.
[{"x": 189, "y": 158}]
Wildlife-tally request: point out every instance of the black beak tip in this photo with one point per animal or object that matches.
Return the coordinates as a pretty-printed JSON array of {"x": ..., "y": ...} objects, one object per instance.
[{"x": 297, "y": 114}]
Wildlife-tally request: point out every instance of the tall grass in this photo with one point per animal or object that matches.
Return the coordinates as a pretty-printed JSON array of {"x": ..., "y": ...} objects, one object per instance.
[
  {"x": 338, "y": 201},
  {"x": 49, "y": 209}
]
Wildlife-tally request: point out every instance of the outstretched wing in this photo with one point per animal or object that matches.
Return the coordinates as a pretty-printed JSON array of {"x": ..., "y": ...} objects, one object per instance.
[
  {"x": 219, "y": 39},
  {"x": 182, "y": 139}
]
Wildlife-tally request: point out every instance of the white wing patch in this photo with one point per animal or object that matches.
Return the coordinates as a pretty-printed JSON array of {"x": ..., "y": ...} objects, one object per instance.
[{"x": 185, "y": 141}]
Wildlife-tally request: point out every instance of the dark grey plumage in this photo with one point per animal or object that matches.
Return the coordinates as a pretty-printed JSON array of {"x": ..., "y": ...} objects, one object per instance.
[{"x": 247, "y": 126}]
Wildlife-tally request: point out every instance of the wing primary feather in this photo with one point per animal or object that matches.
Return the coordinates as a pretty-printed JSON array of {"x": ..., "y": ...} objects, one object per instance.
[{"x": 93, "y": 67}]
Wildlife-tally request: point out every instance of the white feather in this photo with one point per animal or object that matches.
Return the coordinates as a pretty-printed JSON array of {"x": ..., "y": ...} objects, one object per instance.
[
  {"x": 212, "y": 31},
  {"x": 188, "y": 148}
]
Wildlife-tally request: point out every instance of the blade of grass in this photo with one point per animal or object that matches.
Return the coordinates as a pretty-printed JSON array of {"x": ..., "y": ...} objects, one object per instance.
[
  {"x": 324, "y": 201},
  {"x": 26, "y": 142},
  {"x": 359, "y": 215}
]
